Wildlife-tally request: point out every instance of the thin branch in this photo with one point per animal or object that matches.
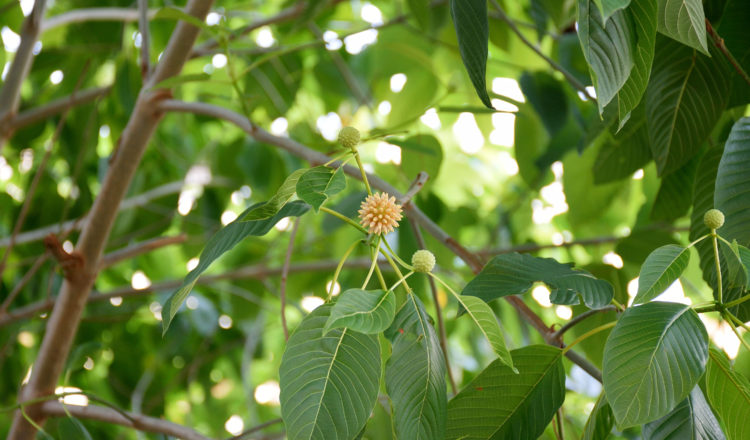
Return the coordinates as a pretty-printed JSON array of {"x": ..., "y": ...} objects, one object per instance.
[
  {"x": 36, "y": 114},
  {"x": 65, "y": 317},
  {"x": 411, "y": 210},
  {"x": 131, "y": 420},
  {"x": 145, "y": 38},
  {"x": 442, "y": 336},
  {"x": 719, "y": 42},
  {"x": 285, "y": 274},
  {"x": 22, "y": 282},
  {"x": 245, "y": 435},
  {"x": 10, "y": 94},
  {"x": 512, "y": 25},
  {"x": 255, "y": 271},
  {"x": 138, "y": 249},
  {"x": 573, "y": 322},
  {"x": 414, "y": 188},
  {"x": 94, "y": 14}
]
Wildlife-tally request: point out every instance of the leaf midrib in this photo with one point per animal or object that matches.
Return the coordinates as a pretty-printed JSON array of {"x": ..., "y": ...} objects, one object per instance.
[
  {"x": 327, "y": 380},
  {"x": 677, "y": 106}
]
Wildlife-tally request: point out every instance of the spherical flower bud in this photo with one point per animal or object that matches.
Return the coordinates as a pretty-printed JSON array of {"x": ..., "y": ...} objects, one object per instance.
[
  {"x": 423, "y": 261},
  {"x": 714, "y": 219},
  {"x": 349, "y": 137},
  {"x": 380, "y": 213}
]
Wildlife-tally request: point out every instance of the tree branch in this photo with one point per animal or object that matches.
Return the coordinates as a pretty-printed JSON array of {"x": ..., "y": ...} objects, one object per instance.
[
  {"x": 94, "y": 14},
  {"x": 411, "y": 210},
  {"x": 138, "y": 249},
  {"x": 10, "y": 94},
  {"x": 719, "y": 42},
  {"x": 145, "y": 38},
  {"x": 63, "y": 323},
  {"x": 131, "y": 420}
]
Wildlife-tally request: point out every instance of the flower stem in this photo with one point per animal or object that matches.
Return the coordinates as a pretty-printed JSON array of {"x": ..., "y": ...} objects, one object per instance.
[
  {"x": 588, "y": 334},
  {"x": 396, "y": 269},
  {"x": 344, "y": 218},
  {"x": 396, "y": 257},
  {"x": 372, "y": 266},
  {"x": 718, "y": 265},
  {"x": 364, "y": 173},
  {"x": 339, "y": 267}
]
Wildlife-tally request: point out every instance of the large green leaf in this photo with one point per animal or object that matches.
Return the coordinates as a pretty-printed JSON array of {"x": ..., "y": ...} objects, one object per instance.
[
  {"x": 623, "y": 153},
  {"x": 547, "y": 96},
  {"x": 660, "y": 270},
  {"x": 282, "y": 196},
  {"x": 317, "y": 184},
  {"x": 652, "y": 360},
  {"x": 674, "y": 197},
  {"x": 607, "y": 48},
  {"x": 609, "y": 7},
  {"x": 684, "y": 100},
  {"x": 224, "y": 240},
  {"x": 600, "y": 422},
  {"x": 499, "y": 404},
  {"x": 514, "y": 274},
  {"x": 643, "y": 16},
  {"x": 729, "y": 394},
  {"x": 472, "y": 31},
  {"x": 733, "y": 184},
  {"x": 485, "y": 319},
  {"x": 734, "y": 30},
  {"x": 364, "y": 311},
  {"x": 329, "y": 383},
  {"x": 692, "y": 419},
  {"x": 415, "y": 374},
  {"x": 684, "y": 21}
]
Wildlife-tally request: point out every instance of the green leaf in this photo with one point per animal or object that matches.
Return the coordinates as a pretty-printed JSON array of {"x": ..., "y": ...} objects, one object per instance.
[
  {"x": 329, "y": 383},
  {"x": 415, "y": 374},
  {"x": 364, "y": 311},
  {"x": 684, "y": 21},
  {"x": 600, "y": 422},
  {"x": 607, "y": 48},
  {"x": 224, "y": 240},
  {"x": 317, "y": 184},
  {"x": 643, "y": 15},
  {"x": 733, "y": 184},
  {"x": 684, "y": 100},
  {"x": 691, "y": 419},
  {"x": 282, "y": 196},
  {"x": 72, "y": 428},
  {"x": 623, "y": 153},
  {"x": 652, "y": 360},
  {"x": 499, "y": 404},
  {"x": 548, "y": 98},
  {"x": 420, "y": 153},
  {"x": 729, "y": 394},
  {"x": 736, "y": 257},
  {"x": 485, "y": 319},
  {"x": 472, "y": 31},
  {"x": 733, "y": 29},
  {"x": 609, "y": 7},
  {"x": 673, "y": 200},
  {"x": 515, "y": 274},
  {"x": 660, "y": 270}
]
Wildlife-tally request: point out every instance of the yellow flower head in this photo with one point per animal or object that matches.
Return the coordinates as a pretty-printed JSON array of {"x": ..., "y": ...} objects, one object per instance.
[{"x": 380, "y": 213}]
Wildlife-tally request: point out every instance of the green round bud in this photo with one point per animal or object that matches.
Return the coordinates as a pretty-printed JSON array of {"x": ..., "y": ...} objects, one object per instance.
[
  {"x": 349, "y": 137},
  {"x": 714, "y": 219},
  {"x": 423, "y": 261}
]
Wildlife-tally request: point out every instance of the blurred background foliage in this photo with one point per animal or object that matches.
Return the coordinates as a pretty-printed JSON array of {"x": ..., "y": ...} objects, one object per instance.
[{"x": 535, "y": 176}]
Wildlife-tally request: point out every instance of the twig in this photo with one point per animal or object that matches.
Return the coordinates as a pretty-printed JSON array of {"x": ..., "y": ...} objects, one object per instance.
[
  {"x": 108, "y": 415},
  {"x": 570, "y": 324},
  {"x": 285, "y": 274},
  {"x": 145, "y": 38},
  {"x": 414, "y": 188},
  {"x": 138, "y": 249},
  {"x": 22, "y": 282},
  {"x": 36, "y": 114},
  {"x": 438, "y": 310},
  {"x": 10, "y": 94},
  {"x": 512, "y": 25},
  {"x": 411, "y": 210},
  {"x": 255, "y": 429},
  {"x": 94, "y": 14},
  {"x": 255, "y": 271},
  {"x": 719, "y": 42},
  {"x": 63, "y": 322}
]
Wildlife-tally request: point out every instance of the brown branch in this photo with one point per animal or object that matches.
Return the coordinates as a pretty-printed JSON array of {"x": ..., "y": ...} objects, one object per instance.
[
  {"x": 131, "y": 420},
  {"x": 145, "y": 38},
  {"x": 93, "y": 14},
  {"x": 414, "y": 188},
  {"x": 65, "y": 317},
  {"x": 573, "y": 322},
  {"x": 411, "y": 210},
  {"x": 138, "y": 249},
  {"x": 255, "y": 429},
  {"x": 285, "y": 274},
  {"x": 10, "y": 94},
  {"x": 255, "y": 271},
  {"x": 719, "y": 42}
]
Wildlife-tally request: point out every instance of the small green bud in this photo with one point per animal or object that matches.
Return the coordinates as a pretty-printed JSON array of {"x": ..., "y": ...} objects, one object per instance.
[
  {"x": 423, "y": 261},
  {"x": 714, "y": 219},
  {"x": 349, "y": 137}
]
